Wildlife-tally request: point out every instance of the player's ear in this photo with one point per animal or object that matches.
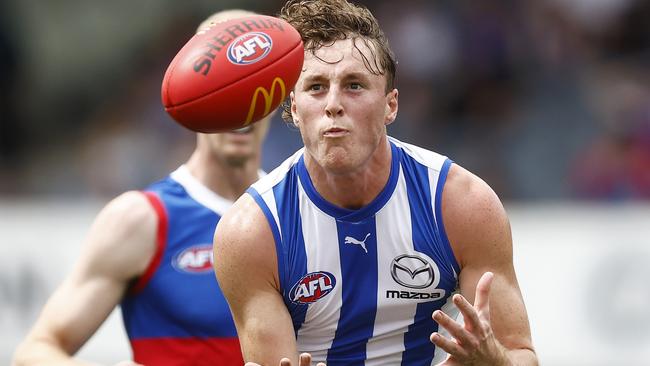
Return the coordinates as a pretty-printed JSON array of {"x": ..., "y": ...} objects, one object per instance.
[
  {"x": 294, "y": 115},
  {"x": 391, "y": 106}
]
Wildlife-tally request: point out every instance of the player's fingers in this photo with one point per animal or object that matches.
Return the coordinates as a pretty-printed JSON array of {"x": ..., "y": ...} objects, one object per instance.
[
  {"x": 252, "y": 364},
  {"x": 470, "y": 315},
  {"x": 482, "y": 297},
  {"x": 454, "y": 328},
  {"x": 285, "y": 362},
  {"x": 305, "y": 359},
  {"x": 451, "y": 347}
]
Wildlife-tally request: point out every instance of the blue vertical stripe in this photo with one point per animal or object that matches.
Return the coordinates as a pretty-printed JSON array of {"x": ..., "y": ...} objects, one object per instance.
[
  {"x": 418, "y": 349},
  {"x": 293, "y": 243},
  {"x": 359, "y": 292},
  {"x": 442, "y": 178}
]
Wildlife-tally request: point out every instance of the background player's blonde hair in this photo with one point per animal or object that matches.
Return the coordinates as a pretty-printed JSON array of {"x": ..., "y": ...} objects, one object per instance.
[{"x": 222, "y": 16}]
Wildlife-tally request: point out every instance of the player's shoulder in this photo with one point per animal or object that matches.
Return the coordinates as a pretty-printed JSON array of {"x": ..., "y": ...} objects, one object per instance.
[
  {"x": 244, "y": 221},
  {"x": 472, "y": 212},
  {"x": 243, "y": 239},
  {"x": 130, "y": 207},
  {"x": 122, "y": 237},
  {"x": 128, "y": 216},
  {"x": 465, "y": 193}
]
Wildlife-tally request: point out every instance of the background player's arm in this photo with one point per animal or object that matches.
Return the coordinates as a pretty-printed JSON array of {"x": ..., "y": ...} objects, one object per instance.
[
  {"x": 246, "y": 267},
  {"x": 479, "y": 232},
  {"x": 118, "y": 247}
]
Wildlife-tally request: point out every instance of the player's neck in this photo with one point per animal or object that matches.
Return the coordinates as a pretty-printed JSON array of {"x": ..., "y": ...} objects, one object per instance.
[
  {"x": 227, "y": 180},
  {"x": 354, "y": 189}
]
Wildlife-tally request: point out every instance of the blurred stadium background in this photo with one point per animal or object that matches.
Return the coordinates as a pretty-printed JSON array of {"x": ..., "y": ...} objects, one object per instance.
[{"x": 548, "y": 101}]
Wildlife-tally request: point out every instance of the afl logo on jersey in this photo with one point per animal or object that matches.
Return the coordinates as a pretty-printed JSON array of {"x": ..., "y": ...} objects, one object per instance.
[
  {"x": 249, "y": 48},
  {"x": 312, "y": 287},
  {"x": 195, "y": 259}
]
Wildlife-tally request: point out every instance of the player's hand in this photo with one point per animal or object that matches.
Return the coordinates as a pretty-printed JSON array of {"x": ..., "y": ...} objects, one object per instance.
[
  {"x": 474, "y": 343},
  {"x": 305, "y": 360}
]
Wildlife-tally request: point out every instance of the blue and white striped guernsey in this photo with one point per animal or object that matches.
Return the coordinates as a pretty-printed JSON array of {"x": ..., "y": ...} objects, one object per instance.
[{"x": 361, "y": 285}]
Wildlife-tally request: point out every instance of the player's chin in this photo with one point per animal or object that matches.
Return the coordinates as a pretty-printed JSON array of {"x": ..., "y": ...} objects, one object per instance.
[{"x": 237, "y": 158}]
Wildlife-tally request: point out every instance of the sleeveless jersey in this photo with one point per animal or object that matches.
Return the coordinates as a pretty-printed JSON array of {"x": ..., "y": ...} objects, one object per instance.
[
  {"x": 361, "y": 285},
  {"x": 175, "y": 314}
]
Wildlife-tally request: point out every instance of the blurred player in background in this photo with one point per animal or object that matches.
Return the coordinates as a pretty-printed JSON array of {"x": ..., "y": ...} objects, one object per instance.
[
  {"x": 150, "y": 251},
  {"x": 352, "y": 245}
]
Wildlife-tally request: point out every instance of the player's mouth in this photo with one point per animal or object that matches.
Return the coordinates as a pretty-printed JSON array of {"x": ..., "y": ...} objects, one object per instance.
[{"x": 335, "y": 132}]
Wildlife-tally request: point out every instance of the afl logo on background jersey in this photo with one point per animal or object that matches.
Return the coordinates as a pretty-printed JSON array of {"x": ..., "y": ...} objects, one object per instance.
[
  {"x": 249, "y": 48},
  {"x": 312, "y": 287},
  {"x": 195, "y": 259}
]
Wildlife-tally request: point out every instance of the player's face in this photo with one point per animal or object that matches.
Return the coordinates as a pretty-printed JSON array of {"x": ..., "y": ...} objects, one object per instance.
[
  {"x": 341, "y": 108},
  {"x": 237, "y": 147}
]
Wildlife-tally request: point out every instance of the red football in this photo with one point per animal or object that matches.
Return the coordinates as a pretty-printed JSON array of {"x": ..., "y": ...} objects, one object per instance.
[{"x": 232, "y": 73}]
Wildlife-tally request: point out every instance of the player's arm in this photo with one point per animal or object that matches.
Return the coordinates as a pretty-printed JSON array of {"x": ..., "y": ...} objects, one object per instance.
[
  {"x": 118, "y": 247},
  {"x": 496, "y": 329},
  {"x": 246, "y": 267}
]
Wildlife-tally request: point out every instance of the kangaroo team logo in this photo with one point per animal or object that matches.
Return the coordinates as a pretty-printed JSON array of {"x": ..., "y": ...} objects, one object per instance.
[
  {"x": 269, "y": 97},
  {"x": 196, "y": 259},
  {"x": 312, "y": 287},
  {"x": 249, "y": 48},
  {"x": 361, "y": 243}
]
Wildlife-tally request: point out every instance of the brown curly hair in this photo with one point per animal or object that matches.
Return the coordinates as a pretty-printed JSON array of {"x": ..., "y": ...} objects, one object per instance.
[{"x": 323, "y": 22}]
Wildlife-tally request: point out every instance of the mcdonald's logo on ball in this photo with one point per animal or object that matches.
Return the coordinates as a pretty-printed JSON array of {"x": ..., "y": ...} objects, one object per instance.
[{"x": 269, "y": 98}]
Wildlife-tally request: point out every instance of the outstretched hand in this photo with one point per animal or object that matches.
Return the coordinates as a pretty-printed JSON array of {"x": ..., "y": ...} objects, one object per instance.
[
  {"x": 305, "y": 360},
  {"x": 474, "y": 343}
]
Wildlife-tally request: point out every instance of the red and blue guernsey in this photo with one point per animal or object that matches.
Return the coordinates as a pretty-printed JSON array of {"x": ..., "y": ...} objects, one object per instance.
[{"x": 175, "y": 314}]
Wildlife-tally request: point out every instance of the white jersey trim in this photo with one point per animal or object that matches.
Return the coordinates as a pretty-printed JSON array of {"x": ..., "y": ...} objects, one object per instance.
[{"x": 199, "y": 192}]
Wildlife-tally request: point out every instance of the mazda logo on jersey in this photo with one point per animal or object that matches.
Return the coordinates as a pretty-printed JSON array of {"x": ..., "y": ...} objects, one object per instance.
[
  {"x": 312, "y": 287},
  {"x": 415, "y": 272},
  {"x": 195, "y": 259},
  {"x": 412, "y": 271}
]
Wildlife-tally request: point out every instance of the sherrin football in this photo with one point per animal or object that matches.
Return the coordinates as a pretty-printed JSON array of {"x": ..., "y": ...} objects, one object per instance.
[{"x": 233, "y": 73}]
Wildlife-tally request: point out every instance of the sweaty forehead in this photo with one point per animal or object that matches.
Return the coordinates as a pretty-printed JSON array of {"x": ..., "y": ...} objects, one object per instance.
[{"x": 347, "y": 52}]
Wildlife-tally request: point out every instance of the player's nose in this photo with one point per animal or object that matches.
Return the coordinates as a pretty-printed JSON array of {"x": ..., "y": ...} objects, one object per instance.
[{"x": 334, "y": 107}]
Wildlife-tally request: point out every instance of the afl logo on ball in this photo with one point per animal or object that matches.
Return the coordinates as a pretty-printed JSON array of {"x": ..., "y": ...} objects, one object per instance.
[
  {"x": 249, "y": 48},
  {"x": 196, "y": 259},
  {"x": 312, "y": 287}
]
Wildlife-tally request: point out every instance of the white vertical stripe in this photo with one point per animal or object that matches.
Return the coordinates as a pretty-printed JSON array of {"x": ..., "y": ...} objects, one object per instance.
[
  {"x": 322, "y": 250},
  {"x": 269, "y": 198},
  {"x": 394, "y": 316}
]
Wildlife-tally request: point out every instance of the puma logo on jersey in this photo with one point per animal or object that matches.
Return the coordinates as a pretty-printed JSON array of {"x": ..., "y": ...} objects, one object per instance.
[{"x": 353, "y": 241}]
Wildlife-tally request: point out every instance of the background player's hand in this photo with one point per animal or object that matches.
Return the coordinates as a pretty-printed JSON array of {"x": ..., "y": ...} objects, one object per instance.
[
  {"x": 305, "y": 360},
  {"x": 474, "y": 343}
]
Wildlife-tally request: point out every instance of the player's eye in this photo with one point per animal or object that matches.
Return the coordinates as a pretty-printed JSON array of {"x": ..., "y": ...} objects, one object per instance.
[
  {"x": 315, "y": 87},
  {"x": 355, "y": 86}
]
